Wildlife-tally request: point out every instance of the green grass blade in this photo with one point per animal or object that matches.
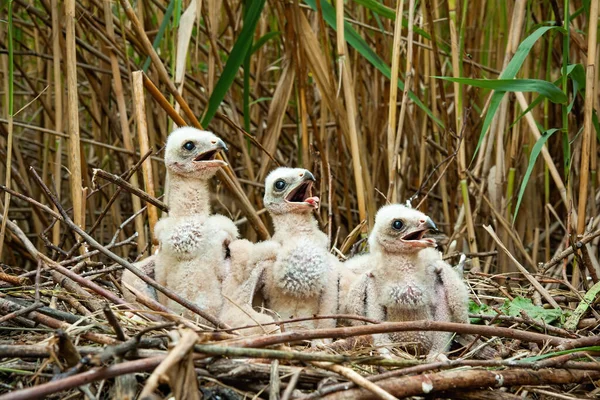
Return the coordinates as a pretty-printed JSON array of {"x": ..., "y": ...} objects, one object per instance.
[
  {"x": 360, "y": 45},
  {"x": 387, "y": 12},
  {"x": 535, "y": 152},
  {"x": 161, "y": 32},
  {"x": 546, "y": 89},
  {"x": 235, "y": 60},
  {"x": 262, "y": 40},
  {"x": 510, "y": 72}
]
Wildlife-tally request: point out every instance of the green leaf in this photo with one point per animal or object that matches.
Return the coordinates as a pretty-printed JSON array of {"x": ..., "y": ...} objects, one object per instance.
[
  {"x": 535, "y": 152},
  {"x": 545, "y": 88},
  {"x": 360, "y": 45},
  {"x": 559, "y": 353},
  {"x": 388, "y": 12},
  {"x": 264, "y": 39},
  {"x": 482, "y": 309},
  {"x": 518, "y": 304},
  {"x": 161, "y": 32},
  {"x": 510, "y": 72},
  {"x": 235, "y": 60}
]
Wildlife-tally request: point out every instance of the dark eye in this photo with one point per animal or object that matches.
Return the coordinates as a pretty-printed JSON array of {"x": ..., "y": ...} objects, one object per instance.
[
  {"x": 189, "y": 146},
  {"x": 280, "y": 184},
  {"x": 397, "y": 225}
]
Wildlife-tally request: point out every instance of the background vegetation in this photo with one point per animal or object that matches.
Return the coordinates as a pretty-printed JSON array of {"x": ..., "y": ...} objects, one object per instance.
[{"x": 482, "y": 113}]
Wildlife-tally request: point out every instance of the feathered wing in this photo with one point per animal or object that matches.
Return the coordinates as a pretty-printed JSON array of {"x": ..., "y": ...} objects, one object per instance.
[
  {"x": 237, "y": 308},
  {"x": 356, "y": 298},
  {"x": 455, "y": 291}
]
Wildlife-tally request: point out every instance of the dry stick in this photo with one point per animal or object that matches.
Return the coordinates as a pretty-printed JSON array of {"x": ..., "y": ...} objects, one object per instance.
[
  {"x": 393, "y": 105},
  {"x": 420, "y": 385},
  {"x": 521, "y": 268},
  {"x": 388, "y": 327},
  {"x": 55, "y": 323},
  {"x": 291, "y": 385},
  {"x": 587, "y": 137},
  {"x": 93, "y": 243},
  {"x": 73, "y": 116},
  {"x": 58, "y": 107},
  {"x": 64, "y": 271},
  {"x": 556, "y": 362},
  {"x": 349, "y": 97},
  {"x": 142, "y": 128},
  {"x": 130, "y": 188},
  {"x": 183, "y": 347},
  {"x": 123, "y": 120},
  {"x": 358, "y": 379},
  {"x": 567, "y": 252},
  {"x": 313, "y": 318},
  {"x": 96, "y": 374},
  {"x": 392, "y": 194}
]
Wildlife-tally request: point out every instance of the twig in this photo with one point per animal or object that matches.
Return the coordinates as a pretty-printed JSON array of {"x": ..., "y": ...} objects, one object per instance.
[
  {"x": 130, "y": 188},
  {"x": 357, "y": 379},
  {"x": 388, "y": 327},
  {"x": 420, "y": 385},
  {"x": 93, "y": 375},
  {"x": 521, "y": 268},
  {"x": 183, "y": 347}
]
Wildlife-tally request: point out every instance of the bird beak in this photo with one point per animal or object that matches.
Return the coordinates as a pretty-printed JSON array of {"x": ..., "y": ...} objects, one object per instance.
[
  {"x": 222, "y": 145},
  {"x": 429, "y": 225},
  {"x": 308, "y": 176}
]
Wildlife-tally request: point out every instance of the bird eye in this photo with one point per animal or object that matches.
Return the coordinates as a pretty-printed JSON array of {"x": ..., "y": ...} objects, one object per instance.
[
  {"x": 397, "y": 225},
  {"x": 189, "y": 146},
  {"x": 280, "y": 184}
]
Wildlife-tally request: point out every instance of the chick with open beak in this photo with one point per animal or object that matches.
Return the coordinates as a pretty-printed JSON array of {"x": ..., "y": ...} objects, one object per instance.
[
  {"x": 192, "y": 259},
  {"x": 405, "y": 279},
  {"x": 294, "y": 274}
]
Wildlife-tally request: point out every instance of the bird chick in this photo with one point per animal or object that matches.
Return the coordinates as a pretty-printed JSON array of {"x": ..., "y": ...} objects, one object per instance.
[
  {"x": 297, "y": 276},
  {"x": 193, "y": 244},
  {"x": 408, "y": 281}
]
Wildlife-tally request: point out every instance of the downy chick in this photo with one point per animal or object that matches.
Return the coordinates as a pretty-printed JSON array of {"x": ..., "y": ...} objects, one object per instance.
[
  {"x": 409, "y": 281},
  {"x": 296, "y": 275},
  {"x": 191, "y": 259}
]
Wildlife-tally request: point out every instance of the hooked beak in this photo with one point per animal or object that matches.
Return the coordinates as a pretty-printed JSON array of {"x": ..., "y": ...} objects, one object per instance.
[
  {"x": 209, "y": 156},
  {"x": 429, "y": 225},
  {"x": 308, "y": 176},
  {"x": 415, "y": 236}
]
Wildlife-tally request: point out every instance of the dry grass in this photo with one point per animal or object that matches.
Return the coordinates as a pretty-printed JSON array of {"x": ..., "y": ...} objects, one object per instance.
[{"x": 307, "y": 97}]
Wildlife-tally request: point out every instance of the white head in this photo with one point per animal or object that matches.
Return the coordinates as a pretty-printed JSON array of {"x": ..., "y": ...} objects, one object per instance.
[
  {"x": 191, "y": 152},
  {"x": 399, "y": 229},
  {"x": 289, "y": 190}
]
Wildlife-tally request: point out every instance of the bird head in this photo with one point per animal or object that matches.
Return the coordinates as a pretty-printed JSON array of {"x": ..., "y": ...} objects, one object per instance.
[
  {"x": 290, "y": 190},
  {"x": 399, "y": 229},
  {"x": 192, "y": 152}
]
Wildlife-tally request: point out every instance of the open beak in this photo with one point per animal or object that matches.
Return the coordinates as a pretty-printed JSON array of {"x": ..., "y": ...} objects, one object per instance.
[
  {"x": 302, "y": 193},
  {"x": 415, "y": 236},
  {"x": 210, "y": 156}
]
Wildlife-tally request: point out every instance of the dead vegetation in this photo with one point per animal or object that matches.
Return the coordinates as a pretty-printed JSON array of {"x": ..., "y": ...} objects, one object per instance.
[{"x": 81, "y": 132}]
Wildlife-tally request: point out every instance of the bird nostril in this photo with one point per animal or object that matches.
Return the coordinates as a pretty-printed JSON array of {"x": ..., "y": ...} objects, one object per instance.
[
  {"x": 422, "y": 221},
  {"x": 214, "y": 142}
]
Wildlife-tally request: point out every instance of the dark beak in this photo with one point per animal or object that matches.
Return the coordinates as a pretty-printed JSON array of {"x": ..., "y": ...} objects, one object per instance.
[
  {"x": 308, "y": 176},
  {"x": 429, "y": 224},
  {"x": 221, "y": 145}
]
